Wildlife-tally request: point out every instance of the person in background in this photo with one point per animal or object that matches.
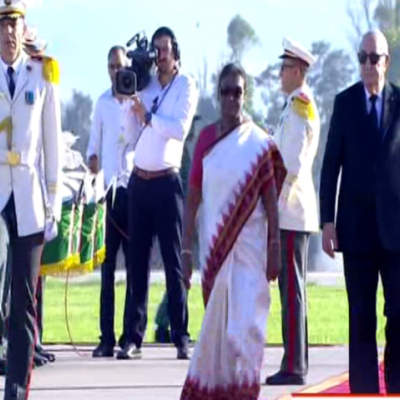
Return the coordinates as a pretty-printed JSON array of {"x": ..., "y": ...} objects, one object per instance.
[
  {"x": 297, "y": 137},
  {"x": 109, "y": 150}
]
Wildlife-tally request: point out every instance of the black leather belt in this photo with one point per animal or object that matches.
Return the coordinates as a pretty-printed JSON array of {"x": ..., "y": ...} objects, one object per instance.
[{"x": 141, "y": 173}]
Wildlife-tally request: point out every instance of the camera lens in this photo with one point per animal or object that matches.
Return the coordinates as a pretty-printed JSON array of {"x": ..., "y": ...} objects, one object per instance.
[{"x": 127, "y": 81}]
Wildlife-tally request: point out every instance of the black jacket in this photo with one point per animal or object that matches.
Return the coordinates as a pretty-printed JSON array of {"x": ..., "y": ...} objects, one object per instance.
[{"x": 368, "y": 209}]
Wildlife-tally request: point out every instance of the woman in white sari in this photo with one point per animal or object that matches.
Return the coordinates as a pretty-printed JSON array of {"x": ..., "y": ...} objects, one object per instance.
[{"x": 236, "y": 176}]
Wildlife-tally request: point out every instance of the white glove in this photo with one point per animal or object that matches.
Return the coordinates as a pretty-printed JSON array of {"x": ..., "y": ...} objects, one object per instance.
[{"x": 50, "y": 230}]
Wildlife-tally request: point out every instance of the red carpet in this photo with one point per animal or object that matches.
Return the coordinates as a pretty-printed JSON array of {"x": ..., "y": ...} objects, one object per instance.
[{"x": 337, "y": 385}]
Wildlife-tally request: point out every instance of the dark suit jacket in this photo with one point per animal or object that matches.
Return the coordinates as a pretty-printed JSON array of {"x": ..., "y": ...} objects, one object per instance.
[{"x": 368, "y": 213}]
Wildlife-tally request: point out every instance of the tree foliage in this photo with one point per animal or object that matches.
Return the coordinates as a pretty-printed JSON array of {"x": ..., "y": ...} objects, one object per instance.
[{"x": 77, "y": 118}]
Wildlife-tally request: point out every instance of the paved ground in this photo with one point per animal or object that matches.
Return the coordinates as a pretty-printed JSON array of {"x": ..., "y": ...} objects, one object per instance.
[{"x": 158, "y": 376}]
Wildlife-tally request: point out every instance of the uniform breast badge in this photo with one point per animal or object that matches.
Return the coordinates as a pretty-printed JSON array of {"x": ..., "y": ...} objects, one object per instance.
[
  {"x": 13, "y": 158},
  {"x": 29, "y": 97}
]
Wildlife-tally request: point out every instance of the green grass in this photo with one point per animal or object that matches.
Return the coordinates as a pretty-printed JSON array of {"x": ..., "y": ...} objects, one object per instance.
[{"x": 327, "y": 313}]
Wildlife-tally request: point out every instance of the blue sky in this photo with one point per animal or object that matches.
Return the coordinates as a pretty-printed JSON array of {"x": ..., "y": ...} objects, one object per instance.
[{"x": 80, "y": 32}]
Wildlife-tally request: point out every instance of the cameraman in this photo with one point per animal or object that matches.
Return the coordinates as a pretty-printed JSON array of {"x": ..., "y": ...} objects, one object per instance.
[
  {"x": 107, "y": 150},
  {"x": 164, "y": 111}
]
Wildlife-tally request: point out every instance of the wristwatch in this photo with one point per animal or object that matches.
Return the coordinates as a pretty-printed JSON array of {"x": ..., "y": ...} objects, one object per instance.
[{"x": 147, "y": 118}]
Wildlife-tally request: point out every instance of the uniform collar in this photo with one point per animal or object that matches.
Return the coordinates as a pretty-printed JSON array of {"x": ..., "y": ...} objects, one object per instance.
[{"x": 16, "y": 65}]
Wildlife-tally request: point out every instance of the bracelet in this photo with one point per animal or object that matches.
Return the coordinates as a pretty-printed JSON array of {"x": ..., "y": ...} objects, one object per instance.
[{"x": 186, "y": 251}]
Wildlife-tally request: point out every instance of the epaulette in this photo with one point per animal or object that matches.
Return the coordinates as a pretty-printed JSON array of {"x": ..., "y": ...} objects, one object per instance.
[
  {"x": 51, "y": 69},
  {"x": 303, "y": 106}
]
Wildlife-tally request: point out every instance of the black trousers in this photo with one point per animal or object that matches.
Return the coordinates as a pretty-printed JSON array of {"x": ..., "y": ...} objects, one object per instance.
[
  {"x": 40, "y": 307},
  {"x": 155, "y": 208},
  {"x": 116, "y": 236},
  {"x": 292, "y": 289},
  {"x": 25, "y": 255},
  {"x": 362, "y": 272}
]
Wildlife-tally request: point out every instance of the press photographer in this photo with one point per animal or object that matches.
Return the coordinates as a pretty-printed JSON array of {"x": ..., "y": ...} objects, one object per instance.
[{"x": 164, "y": 110}]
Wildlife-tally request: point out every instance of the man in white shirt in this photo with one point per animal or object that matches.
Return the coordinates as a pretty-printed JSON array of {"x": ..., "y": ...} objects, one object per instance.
[
  {"x": 107, "y": 150},
  {"x": 164, "y": 110}
]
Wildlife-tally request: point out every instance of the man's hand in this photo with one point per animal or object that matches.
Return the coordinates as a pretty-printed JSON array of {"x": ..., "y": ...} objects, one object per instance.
[
  {"x": 274, "y": 263},
  {"x": 329, "y": 239},
  {"x": 94, "y": 164},
  {"x": 187, "y": 268},
  {"x": 139, "y": 109},
  {"x": 50, "y": 230}
]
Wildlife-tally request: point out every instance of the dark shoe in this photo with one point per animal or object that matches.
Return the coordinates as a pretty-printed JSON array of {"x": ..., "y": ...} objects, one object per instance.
[
  {"x": 14, "y": 392},
  {"x": 122, "y": 342},
  {"x": 103, "y": 350},
  {"x": 2, "y": 367},
  {"x": 162, "y": 336},
  {"x": 183, "y": 353},
  {"x": 45, "y": 354},
  {"x": 49, "y": 356},
  {"x": 39, "y": 361},
  {"x": 129, "y": 352},
  {"x": 282, "y": 378}
]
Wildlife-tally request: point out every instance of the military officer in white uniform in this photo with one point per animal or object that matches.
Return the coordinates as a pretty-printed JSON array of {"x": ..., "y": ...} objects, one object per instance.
[
  {"x": 297, "y": 137},
  {"x": 30, "y": 134}
]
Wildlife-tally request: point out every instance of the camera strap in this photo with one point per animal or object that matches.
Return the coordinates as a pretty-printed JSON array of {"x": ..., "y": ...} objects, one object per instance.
[{"x": 156, "y": 105}]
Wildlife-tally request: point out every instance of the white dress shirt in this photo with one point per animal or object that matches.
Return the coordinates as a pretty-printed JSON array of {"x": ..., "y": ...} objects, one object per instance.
[
  {"x": 378, "y": 104},
  {"x": 16, "y": 67},
  {"x": 108, "y": 137},
  {"x": 160, "y": 145}
]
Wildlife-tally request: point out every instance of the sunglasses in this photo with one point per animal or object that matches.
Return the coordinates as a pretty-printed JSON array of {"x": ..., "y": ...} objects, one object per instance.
[
  {"x": 373, "y": 57},
  {"x": 235, "y": 92}
]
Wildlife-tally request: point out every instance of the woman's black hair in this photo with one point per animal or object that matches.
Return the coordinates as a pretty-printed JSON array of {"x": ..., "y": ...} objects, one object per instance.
[{"x": 230, "y": 69}]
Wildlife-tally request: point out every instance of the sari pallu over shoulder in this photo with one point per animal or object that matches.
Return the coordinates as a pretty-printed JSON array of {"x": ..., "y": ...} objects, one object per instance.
[{"x": 251, "y": 161}]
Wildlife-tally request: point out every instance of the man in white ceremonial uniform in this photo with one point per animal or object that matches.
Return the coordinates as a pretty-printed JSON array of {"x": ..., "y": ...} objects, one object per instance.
[
  {"x": 297, "y": 137},
  {"x": 165, "y": 111},
  {"x": 30, "y": 134},
  {"x": 109, "y": 150}
]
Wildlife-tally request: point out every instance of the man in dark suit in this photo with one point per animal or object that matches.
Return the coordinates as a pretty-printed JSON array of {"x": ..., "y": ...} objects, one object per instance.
[{"x": 364, "y": 145}]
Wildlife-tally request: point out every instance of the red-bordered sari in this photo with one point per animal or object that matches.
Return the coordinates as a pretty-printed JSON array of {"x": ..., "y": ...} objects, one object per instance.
[{"x": 233, "y": 228}]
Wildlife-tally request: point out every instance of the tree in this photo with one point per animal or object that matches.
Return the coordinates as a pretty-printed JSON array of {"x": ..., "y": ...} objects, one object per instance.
[
  {"x": 241, "y": 38},
  {"x": 271, "y": 94},
  {"x": 332, "y": 72},
  {"x": 361, "y": 19},
  {"x": 206, "y": 108},
  {"x": 77, "y": 118}
]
